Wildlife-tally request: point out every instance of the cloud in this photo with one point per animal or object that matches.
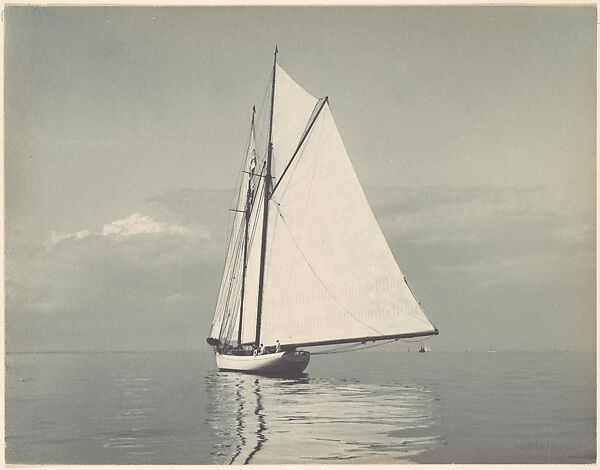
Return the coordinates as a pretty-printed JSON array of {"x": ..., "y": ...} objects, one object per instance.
[
  {"x": 474, "y": 225},
  {"x": 137, "y": 224},
  {"x": 57, "y": 237}
]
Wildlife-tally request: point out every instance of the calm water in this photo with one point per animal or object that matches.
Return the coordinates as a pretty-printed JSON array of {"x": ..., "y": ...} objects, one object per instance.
[{"x": 354, "y": 408}]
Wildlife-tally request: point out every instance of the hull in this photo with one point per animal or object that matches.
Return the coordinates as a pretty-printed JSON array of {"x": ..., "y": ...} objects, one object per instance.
[{"x": 284, "y": 362}]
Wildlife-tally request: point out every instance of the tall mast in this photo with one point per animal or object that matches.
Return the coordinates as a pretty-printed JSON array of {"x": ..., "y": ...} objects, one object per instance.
[
  {"x": 247, "y": 208},
  {"x": 267, "y": 196}
]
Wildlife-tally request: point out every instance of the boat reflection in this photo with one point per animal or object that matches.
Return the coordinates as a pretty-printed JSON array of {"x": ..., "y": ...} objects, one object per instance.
[{"x": 311, "y": 420}]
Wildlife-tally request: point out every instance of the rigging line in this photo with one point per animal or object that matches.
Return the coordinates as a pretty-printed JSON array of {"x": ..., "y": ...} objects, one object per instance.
[
  {"x": 230, "y": 295},
  {"x": 231, "y": 323},
  {"x": 240, "y": 191},
  {"x": 255, "y": 189},
  {"x": 231, "y": 264},
  {"x": 418, "y": 302},
  {"x": 234, "y": 278},
  {"x": 334, "y": 351},
  {"x": 239, "y": 180},
  {"x": 317, "y": 134},
  {"x": 258, "y": 196},
  {"x": 257, "y": 203},
  {"x": 232, "y": 261},
  {"x": 227, "y": 321},
  {"x": 261, "y": 115},
  {"x": 309, "y": 126},
  {"x": 227, "y": 275},
  {"x": 226, "y": 301},
  {"x": 319, "y": 279},
  {"x": 236, "y": 260},
  {"x": 230, "y": 222},
  {"x": 232, "y": 301},
  {"x": 421, "y": 339},
  {"x": 231, "y": 255},
  {"x": 224, "y": 277},
  {"x": 251, "y": 239},
  {"x": 254, "y": 223}
]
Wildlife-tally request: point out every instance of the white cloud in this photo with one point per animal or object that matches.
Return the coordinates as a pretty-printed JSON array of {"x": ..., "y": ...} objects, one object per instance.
[
  {"x": 57, "y": 237},
  {"x": 137, "y": 224}
]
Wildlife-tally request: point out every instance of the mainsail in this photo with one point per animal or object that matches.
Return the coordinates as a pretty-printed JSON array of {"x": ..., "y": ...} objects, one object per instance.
[{"x": 329, "y": 274}]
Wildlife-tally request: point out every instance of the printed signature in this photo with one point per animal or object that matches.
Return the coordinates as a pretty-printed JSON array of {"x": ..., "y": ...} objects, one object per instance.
[{"x": 540, "y": 444}]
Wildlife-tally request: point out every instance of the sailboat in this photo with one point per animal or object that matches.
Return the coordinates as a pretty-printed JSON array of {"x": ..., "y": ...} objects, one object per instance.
[{"x": 307, "y": 264}]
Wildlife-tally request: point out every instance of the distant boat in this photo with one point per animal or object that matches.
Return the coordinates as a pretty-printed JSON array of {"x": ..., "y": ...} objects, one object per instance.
[
  {"x": 491, "y": 350},
  {"x": 424, "y": 348},
  {"x": 307, "y": 264}
]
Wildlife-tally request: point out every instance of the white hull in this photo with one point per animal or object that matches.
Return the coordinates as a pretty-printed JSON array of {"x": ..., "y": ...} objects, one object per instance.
[{"x": 284, "y": 362}]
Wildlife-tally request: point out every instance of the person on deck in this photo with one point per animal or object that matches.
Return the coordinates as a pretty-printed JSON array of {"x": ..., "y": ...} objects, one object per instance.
[{"x": 277, "y": 347}]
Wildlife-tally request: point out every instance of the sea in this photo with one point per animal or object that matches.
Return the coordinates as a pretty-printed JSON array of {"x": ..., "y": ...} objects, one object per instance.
[{"x": 360, "y": 407}]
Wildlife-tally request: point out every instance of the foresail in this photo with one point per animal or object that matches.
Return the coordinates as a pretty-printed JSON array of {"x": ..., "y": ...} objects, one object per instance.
[{"x": 330, "y": 274}]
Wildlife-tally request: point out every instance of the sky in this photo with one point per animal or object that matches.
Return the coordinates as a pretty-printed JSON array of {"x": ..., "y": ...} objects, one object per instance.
[{"x": 471, "y": 129}]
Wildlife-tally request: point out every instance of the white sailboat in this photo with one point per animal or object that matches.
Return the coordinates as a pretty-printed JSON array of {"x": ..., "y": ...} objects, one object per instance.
[{"x": 307, "y": 264}]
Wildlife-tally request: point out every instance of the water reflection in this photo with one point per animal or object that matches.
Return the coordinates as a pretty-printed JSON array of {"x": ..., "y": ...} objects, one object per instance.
[
  {"x": 313, "y": 420},
  {"x": 241, "y": 446}
]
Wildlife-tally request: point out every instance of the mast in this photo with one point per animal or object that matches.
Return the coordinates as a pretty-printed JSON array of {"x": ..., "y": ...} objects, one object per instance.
[
  {"x": 267, "y": 196},
  {"x": 247, "y": 209}
]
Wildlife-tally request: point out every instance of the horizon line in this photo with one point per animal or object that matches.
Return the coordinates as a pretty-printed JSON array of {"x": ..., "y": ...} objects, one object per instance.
[{"x": 358, "y": 350}]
